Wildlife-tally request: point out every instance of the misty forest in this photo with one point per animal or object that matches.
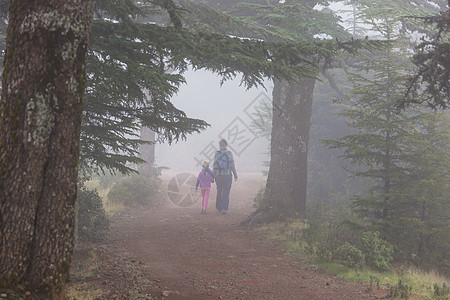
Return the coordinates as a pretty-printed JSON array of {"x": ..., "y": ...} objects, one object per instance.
[{"x": 225, "y": 149}]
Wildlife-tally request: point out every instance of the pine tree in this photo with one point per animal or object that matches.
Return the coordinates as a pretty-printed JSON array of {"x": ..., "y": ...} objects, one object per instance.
[
  {"x": 379, "y": 127},
  {"x": 129, "y": 86},
  {"x": 41, "y": 108},
  {"x": 285, "y": 193},
  {"x": 403, "y": 152},
  {"x": 420, "y": 202},
  {"x": 286, "y": 188}
]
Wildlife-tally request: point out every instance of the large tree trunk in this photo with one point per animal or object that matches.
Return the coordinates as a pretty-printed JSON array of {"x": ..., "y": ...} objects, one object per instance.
[
  {"x": 147, "y": 151},
  {"x": 285, "y": 193},
  {"x": 44, "y": 79}
]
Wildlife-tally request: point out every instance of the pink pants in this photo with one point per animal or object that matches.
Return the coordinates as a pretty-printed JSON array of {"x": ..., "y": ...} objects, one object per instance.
[{"x": 205, "y": 196}]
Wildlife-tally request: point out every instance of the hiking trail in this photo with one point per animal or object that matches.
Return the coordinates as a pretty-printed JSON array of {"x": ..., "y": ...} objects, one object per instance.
[{"x": 173, "y": 252}]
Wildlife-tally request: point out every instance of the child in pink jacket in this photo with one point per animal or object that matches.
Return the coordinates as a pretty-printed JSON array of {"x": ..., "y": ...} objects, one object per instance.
[{"x": 204, "y": 179}]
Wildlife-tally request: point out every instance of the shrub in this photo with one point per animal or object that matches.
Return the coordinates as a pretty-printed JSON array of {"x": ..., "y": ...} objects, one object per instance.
[
  {"x": 343, "y": 241},
  {"x": 92, "y": 221},
  {"x": 349, "y": 256},
  {"x": 135, "y": 189},
  {"x": 378, "y": 253},
  {"x": 401, "y": 289},
  {"x": 324, "y": 252},
  {"x": 317, "y": 240},
  {"x": 440, "y": 293},
  {"x": 374, "y": 280},
  {"x": 322, "y": 237}
]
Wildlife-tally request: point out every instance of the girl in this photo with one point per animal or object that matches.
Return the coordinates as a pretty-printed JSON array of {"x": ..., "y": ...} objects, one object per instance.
[{"x": 204, "y": 179}]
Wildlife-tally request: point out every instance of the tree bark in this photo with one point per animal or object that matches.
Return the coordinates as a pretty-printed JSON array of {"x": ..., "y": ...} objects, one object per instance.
[
  {"x": 285, "y": 193},
  {"x": 44, "y": 79},
  {"x": 147, "y": 151}
]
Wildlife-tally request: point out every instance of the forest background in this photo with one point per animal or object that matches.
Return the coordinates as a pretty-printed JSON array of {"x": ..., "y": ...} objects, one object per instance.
[{"x": 394, "y": 210}]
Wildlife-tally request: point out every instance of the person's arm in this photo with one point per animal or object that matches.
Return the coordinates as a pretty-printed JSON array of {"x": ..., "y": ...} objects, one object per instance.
[
  {"x": 198, "y": 181},
  {"x": 211, "y": 173},
  {"x": 232, "y": 167}
]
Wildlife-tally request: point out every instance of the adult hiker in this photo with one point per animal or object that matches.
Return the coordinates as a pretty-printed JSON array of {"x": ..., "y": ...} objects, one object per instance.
[{"x": 222, "y": 168}]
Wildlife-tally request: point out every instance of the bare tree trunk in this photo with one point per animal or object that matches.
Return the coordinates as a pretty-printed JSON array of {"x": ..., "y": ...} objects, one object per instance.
[
  {"x": 147, "y": 151},
  {"x": 285, "y": 193},
  {"x": 44, "y": 80}
]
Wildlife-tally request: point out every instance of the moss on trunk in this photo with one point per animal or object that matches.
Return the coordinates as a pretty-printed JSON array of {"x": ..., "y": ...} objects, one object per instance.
[{"x": 45, "y": 59}]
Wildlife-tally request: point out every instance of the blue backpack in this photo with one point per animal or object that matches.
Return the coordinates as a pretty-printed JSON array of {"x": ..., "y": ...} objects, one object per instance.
[{"x": 223, "y": 162}]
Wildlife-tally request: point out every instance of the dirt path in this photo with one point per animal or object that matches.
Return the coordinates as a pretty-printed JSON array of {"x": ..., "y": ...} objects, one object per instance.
[{"x": 182, "y": 254}]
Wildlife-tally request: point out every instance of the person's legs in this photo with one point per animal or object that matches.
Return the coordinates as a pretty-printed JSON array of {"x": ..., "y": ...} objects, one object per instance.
[
  {"x": 226, "y": 192},
  {"x": 219, "y": 183},
  {"x": 206, "y": 197},
  {"x": 203, "y": 197}
]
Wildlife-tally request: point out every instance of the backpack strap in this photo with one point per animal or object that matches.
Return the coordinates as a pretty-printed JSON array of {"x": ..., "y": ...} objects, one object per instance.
[{"x": 220, "y": 157}]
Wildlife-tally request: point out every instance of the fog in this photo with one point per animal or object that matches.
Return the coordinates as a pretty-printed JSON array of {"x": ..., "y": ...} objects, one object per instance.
[{"x": 228, "y": 109}]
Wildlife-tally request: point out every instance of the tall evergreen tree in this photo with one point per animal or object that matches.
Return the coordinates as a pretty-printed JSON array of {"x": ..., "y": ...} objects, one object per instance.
[
  {"x": 42, "y": 96},
  {"x": 41, "y": 107},
  {"x": 419, "y": 224},
  {"x": 285, "y": 193},
  {"x": 286, "y": 188},
  {"x": 390, "y": 148},
  {"x": 129, "y": 86}
]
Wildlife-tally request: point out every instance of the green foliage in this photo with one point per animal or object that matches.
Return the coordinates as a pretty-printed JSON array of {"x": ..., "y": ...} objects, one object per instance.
[
  {"x": 349, "y": 256},
  {"x": 378, "y": 253},
  {"x": 295, "y": 20},
  {"x": 292, "y": 21},
  {"x": 401, "y": 289},
  {"x": 327, "y": 183},
  {"x": 92, "y": 221},
  {"x": 292, "y": 235},
  {"x": 127, "y": 88},
  {"x": 374, "y": 280},
  {"x": 440, "y": 293},
  {"x": 405, "y": 154},
  {"x": 427, "y": 238},
  {"x": 430, "y": 84},
  {"x": 317, "y": 240},
  {"x": 323, "y": 236},
  {"x": 343, "y": 239},
  {"x": 134, "y": 189},
  {"x": 129, "y": 85}
]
